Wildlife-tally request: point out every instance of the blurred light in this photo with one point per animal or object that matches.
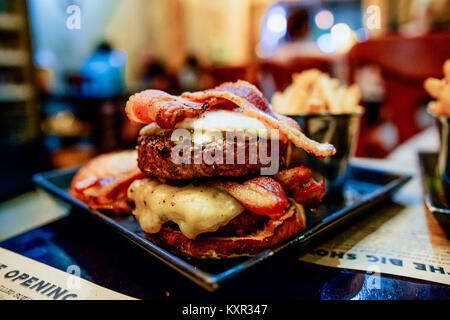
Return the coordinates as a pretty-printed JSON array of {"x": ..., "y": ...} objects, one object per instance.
[
  {"x": 45, "y": 58},
  {"x": 273, "y": 28},
  {"x": 343, "y": 37},
  {"x": 324, "y": 19},
  {"x": 341, "y": 34},
  {"x": 362, "y": 35},
  {"x": 326, "y": 44},
  {"x": 277, "y": 23},
  {"x": 117, "y": 58}
]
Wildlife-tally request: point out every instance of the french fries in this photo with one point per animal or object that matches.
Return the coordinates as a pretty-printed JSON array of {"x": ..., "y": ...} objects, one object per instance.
[
  {"x": 440, "y": 90},
  {"x": 314, "y": 92}
]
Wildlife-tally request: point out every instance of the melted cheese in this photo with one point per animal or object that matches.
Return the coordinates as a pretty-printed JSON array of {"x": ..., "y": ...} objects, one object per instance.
[
  {"x": 195, "y": 210},
  {"x": 223, "y": 120},
  {"x": 213, "y": 125}
]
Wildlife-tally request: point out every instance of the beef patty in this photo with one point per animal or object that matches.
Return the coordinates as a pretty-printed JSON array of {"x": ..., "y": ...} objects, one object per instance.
[{"x": 155, "y": 151}]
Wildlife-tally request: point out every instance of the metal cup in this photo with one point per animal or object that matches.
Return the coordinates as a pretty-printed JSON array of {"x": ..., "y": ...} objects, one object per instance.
[
  {"x": 443, "y": 124},
  {"x": 341, "y": 130}
]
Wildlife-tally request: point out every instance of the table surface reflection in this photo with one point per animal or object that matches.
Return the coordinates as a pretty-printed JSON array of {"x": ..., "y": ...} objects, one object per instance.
[{"x": 111, "y": 261}]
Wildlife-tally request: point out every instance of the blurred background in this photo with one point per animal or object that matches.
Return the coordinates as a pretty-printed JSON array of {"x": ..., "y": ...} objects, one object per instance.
[{"x": 67, "y": 67}]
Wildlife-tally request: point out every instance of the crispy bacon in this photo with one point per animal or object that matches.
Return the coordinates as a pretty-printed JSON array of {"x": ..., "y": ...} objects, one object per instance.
[
  {"x": 262, "y": 195},
  {"x": 294, "y": 178},
  {"x": 167, "y": 110},
  {"x": 299, "y": 183},
  {"x": 311, "y": 194},
  {"x": 268, "y": 196},
  {"x": 162, "y": 108},
  {"x": 241, "y": 89},
  {"x": 253, "y": 104},
  {"x": 103, "y": 182}
]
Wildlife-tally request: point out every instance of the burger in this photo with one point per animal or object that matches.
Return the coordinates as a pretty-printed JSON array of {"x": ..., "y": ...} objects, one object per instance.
[{"x": 211, "y": 177}]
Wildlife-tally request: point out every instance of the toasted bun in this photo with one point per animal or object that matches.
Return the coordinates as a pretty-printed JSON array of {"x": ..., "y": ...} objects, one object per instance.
[{"x": 217, "y": 247}]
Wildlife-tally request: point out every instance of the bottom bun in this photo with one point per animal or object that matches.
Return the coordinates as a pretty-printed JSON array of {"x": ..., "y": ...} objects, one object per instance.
[{"x": 216, "y": 247}]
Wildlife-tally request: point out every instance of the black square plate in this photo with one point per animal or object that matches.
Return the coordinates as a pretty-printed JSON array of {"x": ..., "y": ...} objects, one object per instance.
[
  {"x": 436, "y": 191},
  {"x": 364, "y": 188}
]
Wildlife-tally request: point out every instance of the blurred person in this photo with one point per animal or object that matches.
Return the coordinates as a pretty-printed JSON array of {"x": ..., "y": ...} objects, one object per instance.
[
  {"x": 94, "y": 90},
  {"x": 188, "y": 77},
  {"x": 424, "y": 16},
  {"x": 155, "y": 73},
  {"x": 103, "y": 73},
  {"x": 295, "y": 42},
  {"x": 298, "y": 25},
  {"x": 440, "y": 13},
  {"x": 194, "y": 76},
  {"x": 154, "y": 76}
]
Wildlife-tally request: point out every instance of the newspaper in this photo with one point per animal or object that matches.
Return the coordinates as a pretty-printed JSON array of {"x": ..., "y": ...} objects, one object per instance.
[
  {"x": 400, "y": 239},
  {"x": 24, "y": 279}
]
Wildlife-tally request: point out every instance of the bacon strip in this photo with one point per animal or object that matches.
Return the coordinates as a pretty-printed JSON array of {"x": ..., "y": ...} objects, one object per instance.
[
  {"x": 166, "y": 110},
  {"x": 268, "y": 196},
  {"x": 262, "y": 195},
  {"x": 250, "y": 100},
  {"x": 300, "y": 184},
  {"x": 154, "y": 106},
  {"x": 241, "y": 89},
  {"x": 103, "y": 182},
  {"x": 294, "y": 178},
  {"x": 311, "y": 194}
]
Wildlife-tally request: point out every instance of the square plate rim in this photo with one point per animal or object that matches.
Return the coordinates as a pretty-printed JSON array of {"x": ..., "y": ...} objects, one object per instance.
[{"x": 207, "y": 280}]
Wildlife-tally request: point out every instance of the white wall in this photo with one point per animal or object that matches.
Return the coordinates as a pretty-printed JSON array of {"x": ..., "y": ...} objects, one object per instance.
[{"x": 51, "y": 37}]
